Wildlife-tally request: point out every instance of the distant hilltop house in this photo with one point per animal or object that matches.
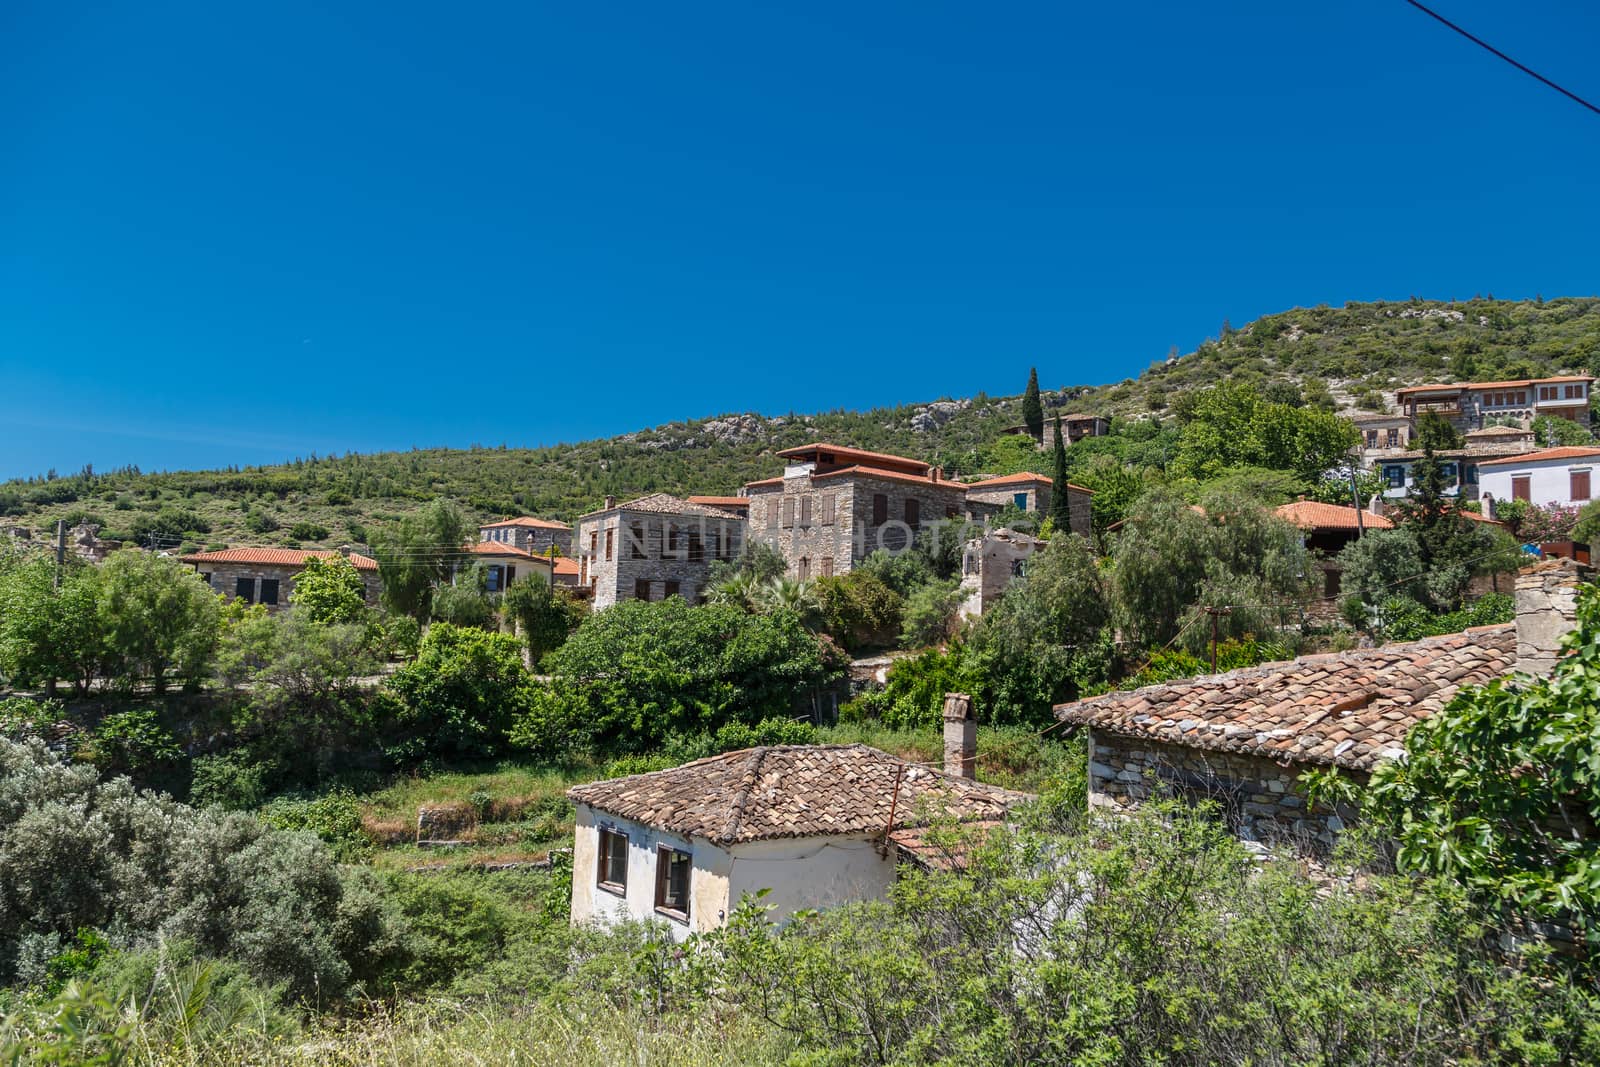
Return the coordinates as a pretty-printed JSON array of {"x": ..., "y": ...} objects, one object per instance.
[
  {"x": 654, "y": 547},
  {"x": 1241, "y": 740},
  {"x": 529, "y": 534},
  {"x": 267, "y": 575},
  {"x": 1550, "y": 476},
  {"x": 1074, "y": 427},
  {"x": 1473, "y": 405},
  {"x": 816, "y": 825},
  {"x": 834, "y": 506}
]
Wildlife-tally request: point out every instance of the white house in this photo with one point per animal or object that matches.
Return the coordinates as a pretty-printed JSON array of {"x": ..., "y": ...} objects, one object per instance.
[
  {"x": 1550, "y": 476},
  {"x": 505, "y": 563},
  {"x": 817, "y": 825}
]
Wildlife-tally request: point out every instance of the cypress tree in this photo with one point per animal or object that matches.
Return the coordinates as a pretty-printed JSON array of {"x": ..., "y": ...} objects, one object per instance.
[
  {"x": 1032, "y": 410},
  {"x": 1060, "y": 502}
]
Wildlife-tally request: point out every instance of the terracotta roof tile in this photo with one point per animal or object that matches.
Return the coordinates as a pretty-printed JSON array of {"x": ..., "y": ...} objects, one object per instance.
[
  {"x": 1544, "y": 455},
  {"x": 853, "y": 454},
  {"x": 794, "y": 791},
  {"x": 276, "y": 557},
  {"x": 1315, "y": 515},
  {"x": 667, "y": 504},
  {"x": 892, "y": 476},
  {"x": 495, "y": 548},
  {"x": 1306, "y": 710},
  {"x": 721, "y": 501},
  {"x": 526, "y": 520},
  {"x": 566, "y": 565},
  {"x": 1493, "y": 385},
  {"x": 1024, "y": 478}
]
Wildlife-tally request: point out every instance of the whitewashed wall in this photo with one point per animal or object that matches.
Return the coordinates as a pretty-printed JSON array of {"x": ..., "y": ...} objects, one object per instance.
[{"x": 1549, "y": 481}]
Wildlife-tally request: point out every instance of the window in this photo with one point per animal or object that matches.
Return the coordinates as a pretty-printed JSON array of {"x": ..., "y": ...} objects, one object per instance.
[
  {"x": 913, "y": 513},
  {"x": 1394, "y": 437},
  {"x": 1574, "y": 392},
  {"x": 1547, "y": 392},
  {"x": 825, "y": 566},
  {"x": 1522, "y": 397},
  {"x": 1580, "y": 485},
  {"x": 593, "y": 547},
  {"x": 493, "y": 583},
  {"x": 880, "y": 509},
  {"x": 804, "y": 568},
  {"x": 827, "y": 509},
  {"x": 697, "y": 547},
  {"x": 641, "y": 589},
  {"x": 1372, "y": 438},
  {"x": 669, "y": 589},
  {"x": 1520, "y": 487},
  {"x": 1019, "y": 501},
  {"x": 772, "y": 514},
  {"x": 1331, "y": 581},
  {"x": 610, "y": 541},
  {"x": 636, "y": 545},
  {"x": 672, "y": 882},
  {"x": 805, "y": 511},
  {"x": 1394, "y": 476},
  {"x": 788, "y": 511},
  {"x": 205, "y": 576},
  {"x": 245, "y": 590},
  {"x": 1448, "y": 470},
  {"x": 612, "y": 868}
]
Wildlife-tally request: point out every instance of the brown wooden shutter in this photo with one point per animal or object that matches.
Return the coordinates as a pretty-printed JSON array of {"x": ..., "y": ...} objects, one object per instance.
[
  {"x": 1520, "y": 488},
  {"x": 788, "y": 511},
  {"x": 805, "y": 511},
  {"x": 827, "y": 509},
  {"x": 1580, "y": 485},
  {"x": 880, "y": 509},
  {"x": 913, "y": 513}
]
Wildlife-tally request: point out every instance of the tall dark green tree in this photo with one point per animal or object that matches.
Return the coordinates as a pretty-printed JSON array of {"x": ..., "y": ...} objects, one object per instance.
[
  {"x": 1032, "y": 409},
  {"x": 1060, "y": 498}
]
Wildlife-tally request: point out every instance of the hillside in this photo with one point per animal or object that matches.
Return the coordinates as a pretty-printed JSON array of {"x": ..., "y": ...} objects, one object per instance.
[{"x": 1347, "y": 356}]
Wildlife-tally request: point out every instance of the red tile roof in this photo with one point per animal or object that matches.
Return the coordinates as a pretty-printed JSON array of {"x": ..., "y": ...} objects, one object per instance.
[
  {"x": 854, "y": 455},
  {"x": 526, "y": 520},
  {"x": 794, "y": 791},
  {"x": 1517, "y": 383},
  {"x": 667, "y": 504},
  {"x": 1025, "y": 478},
  {"x": 763, "y": 483},
  {"x": 1543, "y": 455},
  {"x": 1349, "y": 709},
  {"x": 1314, "y": 515},
  {"x": 722, "y": 501},
  {"x": 566, "y": 565},
  {"x": 277, "y": 557},
  {"x": 893, "y": 476},
  {"x": 495, "y": 548}
]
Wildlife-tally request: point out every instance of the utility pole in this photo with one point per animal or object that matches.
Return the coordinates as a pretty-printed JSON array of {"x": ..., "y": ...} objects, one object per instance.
[
  {"x": 1215, "y": 614},
  {"x": 61, "y": 550},
  {"x": 1355, "y": 498}
]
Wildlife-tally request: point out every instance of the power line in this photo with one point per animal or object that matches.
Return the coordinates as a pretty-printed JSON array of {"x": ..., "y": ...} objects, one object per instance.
[{"x": 1486, "y": 46}]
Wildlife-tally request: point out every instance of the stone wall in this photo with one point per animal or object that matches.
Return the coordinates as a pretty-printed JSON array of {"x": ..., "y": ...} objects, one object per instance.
[
  {"x": 778, "y": 517},
  {"x": 616, "y": 579},
  {"x": 1261, "y": 801},
  {"x": 988, "y": 565},
  {"x": 225, "y": 580},
  {"x": 1547, "y": 609},
  {"x": 534, "y": 539}
]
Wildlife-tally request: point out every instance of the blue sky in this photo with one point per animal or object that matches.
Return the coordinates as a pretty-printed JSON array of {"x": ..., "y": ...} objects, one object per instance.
[{"x": 235, "y": 235}]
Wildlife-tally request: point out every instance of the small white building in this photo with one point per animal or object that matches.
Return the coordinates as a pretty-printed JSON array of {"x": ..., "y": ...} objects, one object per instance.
[
  {"x": 817, "y": 825},
  {"x": 1550, "y": 476}
]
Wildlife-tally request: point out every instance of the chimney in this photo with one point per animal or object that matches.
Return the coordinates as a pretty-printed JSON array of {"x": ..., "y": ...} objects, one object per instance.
[
  {"x": 960, "y": 736},
  {"x": 611, "y": 502},
  {"x": 345, "y": 550},
  {"x": 933, "y": 472},
  {"x": 1547, "y": 610}
]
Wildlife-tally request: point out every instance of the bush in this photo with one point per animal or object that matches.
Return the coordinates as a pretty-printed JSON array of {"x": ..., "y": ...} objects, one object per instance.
[
  {"x": 334, "y": 817},
  {"x": 858, "y": 610},
  {"x": 308, "y": 531},
  {"x": 458, "y": 698},
  {"x": 930, "y": 615},
  {"x": 134, "y": 743},
  {"x": 231, "y": 781},
  {"x": 260, "y": 522}
]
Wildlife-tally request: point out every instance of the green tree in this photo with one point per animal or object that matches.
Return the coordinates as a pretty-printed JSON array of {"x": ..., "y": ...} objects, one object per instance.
[
  {"x": 418, "y": 555},
  {"x": 930, "y": 614},
  {"x": 159, "y": 619},
  {"x": 45, "y": 634},
  {"x": 458, "y": 697},
  {"x": 639, "y": 672},
  {"x": 1032, "y": 409},
  {"x": 330, "y": 590},
  {"x": 1060, "y": 488},
  {"x": 859, "y": 610},
  {"x": 545, "y": 615},
  {"x": 1550, "y": 432}
]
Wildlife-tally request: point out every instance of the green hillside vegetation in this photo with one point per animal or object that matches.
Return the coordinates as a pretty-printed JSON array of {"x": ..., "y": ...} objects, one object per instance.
[{"x": 1319, "y": 357}]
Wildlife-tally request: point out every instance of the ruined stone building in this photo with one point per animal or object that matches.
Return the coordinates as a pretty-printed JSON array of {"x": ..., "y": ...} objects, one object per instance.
[
  {"x": 989, "y": 564},
  {"x": 654, "y": 547}
]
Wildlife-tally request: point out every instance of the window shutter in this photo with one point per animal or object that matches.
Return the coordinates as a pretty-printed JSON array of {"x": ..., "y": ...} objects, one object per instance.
[
  {"x": 880, "y": 509},
  {"x": 1520, "y": 488},
  {"x": 788, "y": 511},
  {"x": 1580, "y": 485}
]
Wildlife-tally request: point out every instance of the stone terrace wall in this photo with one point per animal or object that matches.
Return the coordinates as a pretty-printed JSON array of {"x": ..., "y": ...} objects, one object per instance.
[{"x": 1261, "y": 801}]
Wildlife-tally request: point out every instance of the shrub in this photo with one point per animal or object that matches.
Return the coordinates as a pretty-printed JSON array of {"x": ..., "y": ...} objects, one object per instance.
[
  {"x": 458, "y": 697},
  {"x": 231, "y": 781},
  {"x": 134, "y": 743},
  {"x": 306, "y": 530},
  {"x": 334, "y": 817}
]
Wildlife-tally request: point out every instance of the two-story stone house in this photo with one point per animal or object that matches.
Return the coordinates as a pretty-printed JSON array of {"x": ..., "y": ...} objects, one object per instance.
[
  {"x": 834, "y": 506},
  {"x": 1033, "y": 493},
  {"x": 529, "y": 534},
  {"x": 1473, "y": 405},
  {"x": 654, "y": 547}
]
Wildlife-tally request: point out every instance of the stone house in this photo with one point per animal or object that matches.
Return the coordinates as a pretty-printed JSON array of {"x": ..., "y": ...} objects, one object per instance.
[
  {"x": 1242, "y": 739},
  {"x": 1382, "y": 433},
  {"x": 816, "y": 825},
  {"x": 1075, "y": 428},
  {"x": 834, "y": 506},
  {"x": 1325, "y": 529},
  {"x": 1462, "y": 468},
  {"x": 1549, "y": 476},
  {"x": 739, "y": 505},
  {"x": 504, "y": 563},
  {"x": 989, "y": 564},
  {"x": 267, "y": 575},
  {"x": 1033, "y": 493},
  {"x": 654, "y": 547},
  {"x": 1475, "y": 405},
  {"x": 529, "y": 534}
]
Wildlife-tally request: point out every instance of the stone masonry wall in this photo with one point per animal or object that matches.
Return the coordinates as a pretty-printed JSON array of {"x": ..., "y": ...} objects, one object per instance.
[
  {"x": 1260, "y": 800},
  {"x": 535, "y": 539},
  {"x": 1547, "y": 609},
  {"x": 225, "y": 579},
  {"x": 616, "y": 579}
]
